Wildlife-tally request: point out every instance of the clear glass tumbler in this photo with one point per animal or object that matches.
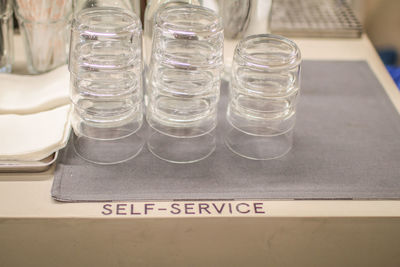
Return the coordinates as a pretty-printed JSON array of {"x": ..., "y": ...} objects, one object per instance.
[
  {"x": 240, "y": 18},
  {"x": 106, "y": 84},
  {"x": 185, "y": 77},
  {"x": 152, "y": 7},
  {"x": 264, "y": 90},
  {"x": 6, "y": 36},
  {"x": 129, "y": 5},
  {"x": 45, "y": 29}
]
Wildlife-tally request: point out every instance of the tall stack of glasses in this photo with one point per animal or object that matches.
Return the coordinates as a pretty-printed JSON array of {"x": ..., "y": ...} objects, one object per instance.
[
  {"x": 106, "y": 84},
  {"x": 184, "y": 80}
]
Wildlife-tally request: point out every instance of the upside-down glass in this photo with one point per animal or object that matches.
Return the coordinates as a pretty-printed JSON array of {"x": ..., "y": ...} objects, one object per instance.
[
  {"x": 264, "y": 90},
  {"x": 45, "y": 29},
  {"x": 152, "y": 7},
  {"x": 6, "y": 36},
  {"x": 185, "y": 76},
  {"x": 128, "y": 5},
  {"x": 241, "y": 18},
  {"x": 106, "y": 84}
]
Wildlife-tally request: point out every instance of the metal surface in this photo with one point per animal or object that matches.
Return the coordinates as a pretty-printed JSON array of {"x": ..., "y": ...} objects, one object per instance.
[
  {"x": 315, "y": 18},
  {"x": 28, "y": 166}
]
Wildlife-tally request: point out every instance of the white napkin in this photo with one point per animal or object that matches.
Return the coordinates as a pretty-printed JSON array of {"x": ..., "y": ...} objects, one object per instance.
[
  {"x": 34, "y": 115},
  {"x": 35, "y": 136},
  {"x": 25, "y": 94}
]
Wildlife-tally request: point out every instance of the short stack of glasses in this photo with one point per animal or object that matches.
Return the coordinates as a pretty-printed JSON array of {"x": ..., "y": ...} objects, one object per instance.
[
  {"x": 183, "y": 87},
  {"x": 264, "y": 90}
]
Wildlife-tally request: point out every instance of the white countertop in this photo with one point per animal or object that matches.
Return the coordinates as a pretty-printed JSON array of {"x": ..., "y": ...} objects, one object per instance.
[
  {"x": 28, "y": 195},
  {"x": 35, "y": 230}
]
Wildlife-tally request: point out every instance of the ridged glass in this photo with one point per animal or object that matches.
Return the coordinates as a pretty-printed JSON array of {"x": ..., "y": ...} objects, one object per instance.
[
  {"x": 106, "y": 83},
  {"x": 184, "y": 82},
  {"x": 264, "y": 90}
]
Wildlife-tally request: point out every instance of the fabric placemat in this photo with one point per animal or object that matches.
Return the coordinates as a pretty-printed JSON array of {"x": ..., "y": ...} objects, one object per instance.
[{"x": 346, "y": 146}]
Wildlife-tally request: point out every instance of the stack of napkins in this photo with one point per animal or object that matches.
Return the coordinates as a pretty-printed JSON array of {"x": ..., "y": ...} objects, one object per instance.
[{"x": 34, "y": 115}]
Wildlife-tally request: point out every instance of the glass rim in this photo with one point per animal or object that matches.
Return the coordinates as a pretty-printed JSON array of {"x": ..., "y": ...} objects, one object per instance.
[
  {"x": 291, "y": 60},
  {"x": 214, "y": 20},
  {"x": 134, "y": 23}
]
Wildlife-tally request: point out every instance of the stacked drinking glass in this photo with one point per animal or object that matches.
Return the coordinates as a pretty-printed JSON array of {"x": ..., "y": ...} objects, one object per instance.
[
  {"x": 184, "y": 81},
  {"x": 106, "y": 84},
  {"x": 264, "y": 89}
]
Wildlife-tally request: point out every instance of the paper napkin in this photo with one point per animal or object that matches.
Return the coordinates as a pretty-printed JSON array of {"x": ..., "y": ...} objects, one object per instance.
[
  {"x": 35, "y": 136},
  {"x": 26, "y": 94}
]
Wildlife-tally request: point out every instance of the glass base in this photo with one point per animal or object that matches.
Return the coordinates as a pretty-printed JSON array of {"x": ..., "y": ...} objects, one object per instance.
[
  {"x": 181, "y": 150},
  {"x": 258, "y": 147},
  {"x": 107, "y": 152}
]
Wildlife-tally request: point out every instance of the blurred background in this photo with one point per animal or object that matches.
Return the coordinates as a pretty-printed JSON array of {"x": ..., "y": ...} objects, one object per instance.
[{"x": 381, "y": 20}]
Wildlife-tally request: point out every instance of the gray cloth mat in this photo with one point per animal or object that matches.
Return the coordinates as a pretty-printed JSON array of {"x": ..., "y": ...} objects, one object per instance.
[{"x": 346, "y": 146}]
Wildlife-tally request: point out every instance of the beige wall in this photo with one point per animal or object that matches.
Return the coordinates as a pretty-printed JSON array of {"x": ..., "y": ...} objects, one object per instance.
[{"x": 382, "y": 22}]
